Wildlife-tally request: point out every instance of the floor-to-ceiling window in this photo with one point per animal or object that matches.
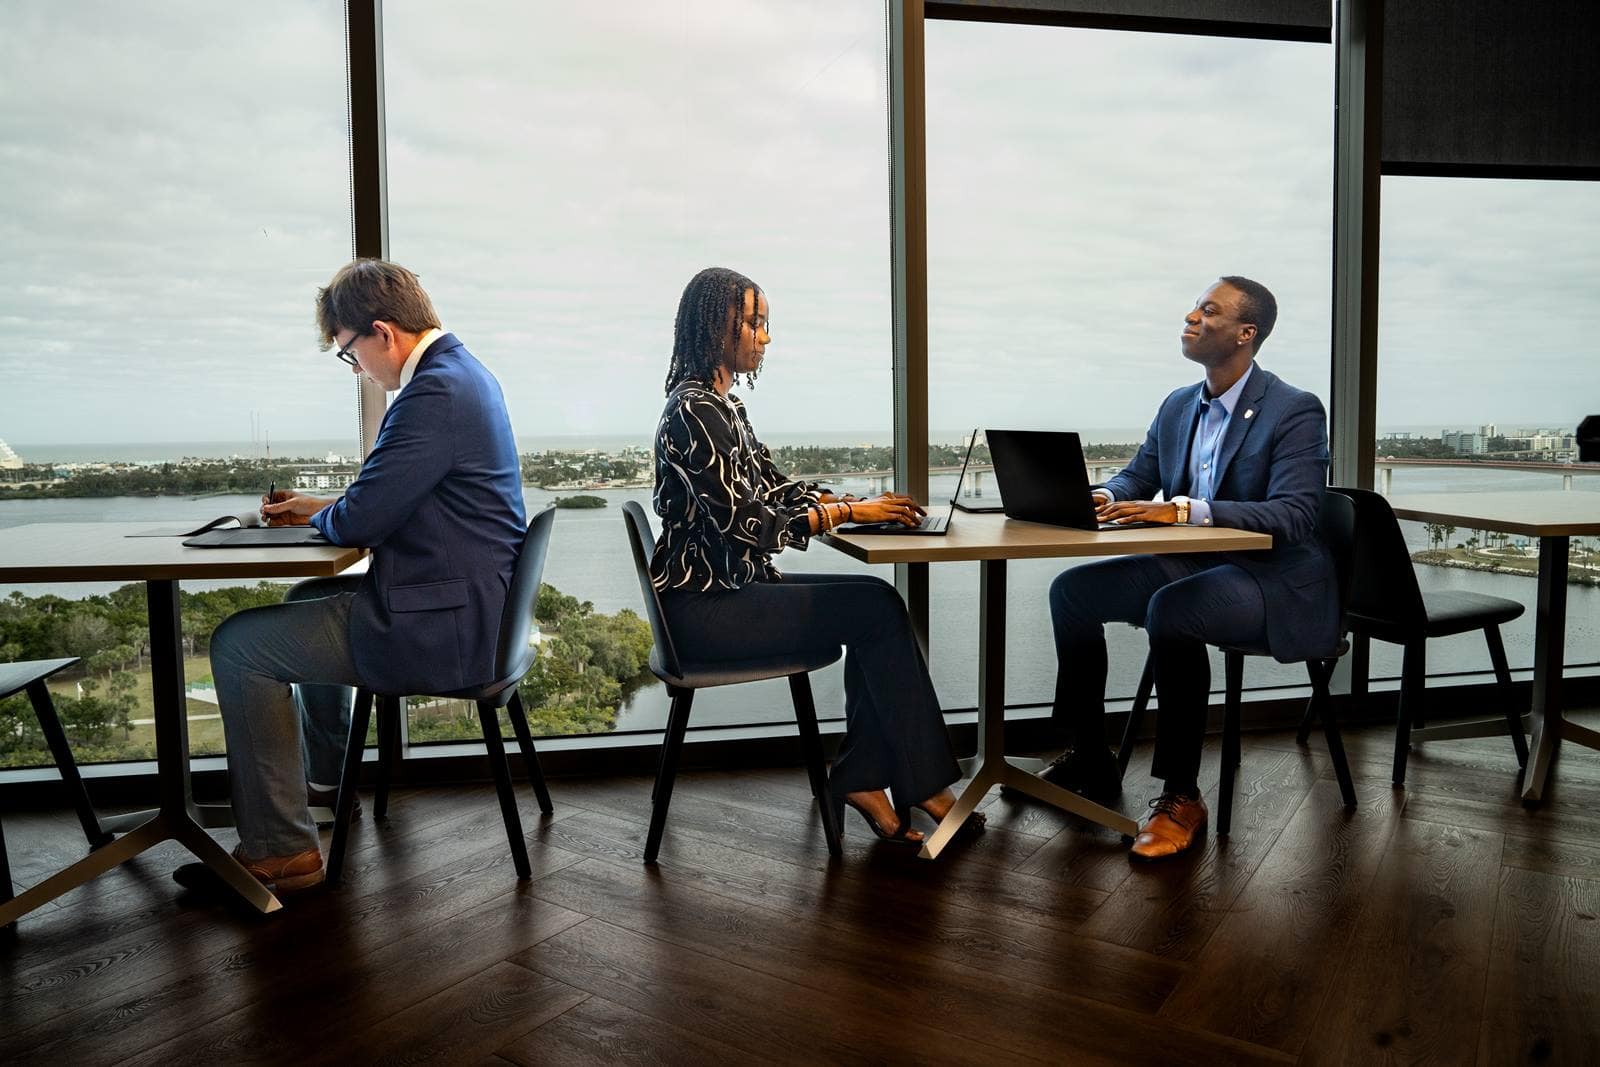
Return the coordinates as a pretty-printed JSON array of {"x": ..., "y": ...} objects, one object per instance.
[
  {"x": 1486, "y": 364},
  {"x": 1084, "y": 187},
  {"x": 177, "y": 186},
  {"x": 556, "y": 174}
]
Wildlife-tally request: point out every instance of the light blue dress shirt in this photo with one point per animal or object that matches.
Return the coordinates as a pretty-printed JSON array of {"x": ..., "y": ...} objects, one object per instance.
[{"x": 1209, "y": 431}]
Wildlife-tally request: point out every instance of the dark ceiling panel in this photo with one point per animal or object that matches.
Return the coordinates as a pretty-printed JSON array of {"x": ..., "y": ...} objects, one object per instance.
[
  {"x": 1490, "y": 87},
  {"x": 1290, "y": 20}
]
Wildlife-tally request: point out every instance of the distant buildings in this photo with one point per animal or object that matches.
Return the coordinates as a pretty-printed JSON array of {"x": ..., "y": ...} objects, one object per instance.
[
  {"x": 1546, "y": 445},
  {"x": 9, "y": 460},
  {"x": 1465, "y": 442}
]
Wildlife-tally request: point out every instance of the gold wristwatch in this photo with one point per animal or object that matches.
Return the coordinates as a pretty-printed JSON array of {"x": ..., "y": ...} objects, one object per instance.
[{"x": 1182, "y": 504}]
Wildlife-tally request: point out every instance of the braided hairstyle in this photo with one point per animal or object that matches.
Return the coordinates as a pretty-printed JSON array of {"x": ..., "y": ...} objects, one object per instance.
[{"x": 707, "y": 326}]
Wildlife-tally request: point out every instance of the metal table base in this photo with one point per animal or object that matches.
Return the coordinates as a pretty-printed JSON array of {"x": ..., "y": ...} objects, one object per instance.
[
  {"x": 177, "y": 818},
  {"x": 991, "y": 766}
]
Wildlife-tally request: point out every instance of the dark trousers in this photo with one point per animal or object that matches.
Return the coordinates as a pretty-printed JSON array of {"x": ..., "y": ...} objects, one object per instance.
[
  {"x": 1184, "y": 604},
  {"x": 894, "y": 731}
]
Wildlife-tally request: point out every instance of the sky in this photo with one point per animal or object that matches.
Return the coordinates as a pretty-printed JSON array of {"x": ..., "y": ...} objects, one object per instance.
[{"x": 177, "y": 188}]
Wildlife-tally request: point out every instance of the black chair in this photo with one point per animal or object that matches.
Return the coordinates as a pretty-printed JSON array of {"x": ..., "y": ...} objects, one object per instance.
[
  {"x": 1336, "y": 526},
  {"x": 1387, "y": 604},
  {"x": 30, "y": 675},
  {"x": 683, "y": 677},
  {"x": 513, "y": 658}
]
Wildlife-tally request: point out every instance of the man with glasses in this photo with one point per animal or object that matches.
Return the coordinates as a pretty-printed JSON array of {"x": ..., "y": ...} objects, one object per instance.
[{"x": 439, "y": 503}]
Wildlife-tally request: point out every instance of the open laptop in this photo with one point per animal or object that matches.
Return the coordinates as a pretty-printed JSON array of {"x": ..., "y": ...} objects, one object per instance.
[
  {"x": 931, "y": 526},
  {"x": 1043, "y": 479}
]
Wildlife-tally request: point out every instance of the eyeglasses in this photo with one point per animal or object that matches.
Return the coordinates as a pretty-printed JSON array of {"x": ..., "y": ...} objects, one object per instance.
[{"x": 345, "y": 356}]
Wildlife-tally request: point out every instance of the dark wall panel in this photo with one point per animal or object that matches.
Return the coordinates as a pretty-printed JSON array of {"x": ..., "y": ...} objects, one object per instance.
[
  {"x": 1491, "y": 87},
  {"x": 1291, "y": 20}
]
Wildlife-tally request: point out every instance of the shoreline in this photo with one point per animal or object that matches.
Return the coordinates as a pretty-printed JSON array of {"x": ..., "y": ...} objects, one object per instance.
[{"x": 1526, "y": 568}]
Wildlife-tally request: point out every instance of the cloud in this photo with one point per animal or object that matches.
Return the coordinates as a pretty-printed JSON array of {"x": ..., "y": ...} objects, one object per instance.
[{"x": 556, "y": 173}]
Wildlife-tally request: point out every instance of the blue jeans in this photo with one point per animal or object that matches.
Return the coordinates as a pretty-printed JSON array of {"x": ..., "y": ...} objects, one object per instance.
[
  {"x": 279, "y": 734},
  {"x": 1184, "y": 604}
]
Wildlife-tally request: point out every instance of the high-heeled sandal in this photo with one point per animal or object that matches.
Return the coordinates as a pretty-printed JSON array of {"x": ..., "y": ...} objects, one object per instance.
[{"x": 898, "y": 837}]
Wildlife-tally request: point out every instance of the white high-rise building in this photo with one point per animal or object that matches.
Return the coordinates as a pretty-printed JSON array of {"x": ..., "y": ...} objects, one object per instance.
[{"x": 9, "y": 460}]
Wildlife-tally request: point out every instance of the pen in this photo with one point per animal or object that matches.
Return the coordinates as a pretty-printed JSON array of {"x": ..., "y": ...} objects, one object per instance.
[{"x": 272, "y": 487}]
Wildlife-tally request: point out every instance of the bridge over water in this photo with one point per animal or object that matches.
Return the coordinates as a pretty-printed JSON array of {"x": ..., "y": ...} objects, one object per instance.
[{"x": 1101, "y": 469}]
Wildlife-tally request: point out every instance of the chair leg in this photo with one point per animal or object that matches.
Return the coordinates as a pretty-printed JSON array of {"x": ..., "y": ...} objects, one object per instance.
[
  {"x": 45, "y": 710},
  {"x": 1307, "y": 721},
  {"x": 5, "y": 868},
  {"x": 1360, "y": 665},
  {"x": 1233, "y": 697},
  {"x": 389, "y": 712},
  {"x": 677, "y": 724},
  {"x": 1321, "y": 672},
  {"x": 349, "y": 780},
  {"x": 1141, "y": 704},
  {"x": 1413, "y": 686},
  {"x": 489, "y": 716},
  {"x": 1502, "y": 677},
  {"x": 530, "y": 756},
  {"x": 805, "y": 717}
]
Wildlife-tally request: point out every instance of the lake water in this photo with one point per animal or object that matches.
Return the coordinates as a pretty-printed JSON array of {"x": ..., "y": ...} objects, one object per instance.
[{"x": 589, "y": 558}]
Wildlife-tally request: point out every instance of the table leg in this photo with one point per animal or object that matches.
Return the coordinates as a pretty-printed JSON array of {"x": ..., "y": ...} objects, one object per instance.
[
  {"x": 1549, "y": 648},
  {"x": 176, "y": 819},
  {"x": 992, "y": 767}
]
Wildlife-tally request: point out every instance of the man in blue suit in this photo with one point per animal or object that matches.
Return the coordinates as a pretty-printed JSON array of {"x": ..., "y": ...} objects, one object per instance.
[
  {"x": 1242, "y": 449},
  {"x": 439, "y": 503}
]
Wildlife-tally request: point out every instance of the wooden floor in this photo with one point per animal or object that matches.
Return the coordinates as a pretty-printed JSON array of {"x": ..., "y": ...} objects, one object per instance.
[{"x": 1442, "y": 924}]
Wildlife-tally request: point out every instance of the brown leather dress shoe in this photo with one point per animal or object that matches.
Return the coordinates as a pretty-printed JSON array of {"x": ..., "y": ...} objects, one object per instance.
[
  {"x": 1176, "y": 822},
  {"x": 285, "y": 874}
]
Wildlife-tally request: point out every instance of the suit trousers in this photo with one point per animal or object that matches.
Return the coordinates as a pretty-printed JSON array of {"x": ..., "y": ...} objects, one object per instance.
[
  {"x": 1184, "y": 603},
  {"x": 895, "y": 736},
  {"x": 255, "y": 656}
]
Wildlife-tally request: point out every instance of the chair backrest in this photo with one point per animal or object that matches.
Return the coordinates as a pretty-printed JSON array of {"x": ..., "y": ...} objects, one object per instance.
[
  {"x": 644, "y": 547},
  {"x": 516, "y": 621},
  {"x": 1336, "y": 528},
  {"x": 1383, "y": 583}
]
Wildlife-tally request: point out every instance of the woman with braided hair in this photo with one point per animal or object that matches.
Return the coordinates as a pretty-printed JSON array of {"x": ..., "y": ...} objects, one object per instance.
[{"x": 725, "y": 510}]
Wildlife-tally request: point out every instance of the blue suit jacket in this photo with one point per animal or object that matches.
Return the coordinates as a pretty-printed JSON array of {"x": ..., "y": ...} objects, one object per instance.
[
  {"x": 1270, "y": 475},
  {"x": 439, "y": 502}
]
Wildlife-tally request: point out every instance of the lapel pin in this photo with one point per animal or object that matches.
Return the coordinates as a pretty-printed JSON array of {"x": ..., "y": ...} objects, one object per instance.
[{"x": 1248, "y": 412}]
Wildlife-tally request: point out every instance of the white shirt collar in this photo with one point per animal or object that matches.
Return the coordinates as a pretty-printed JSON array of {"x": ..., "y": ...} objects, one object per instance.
[
  {"x": 415, "y": 357},
  {"x": 1230, "y": 399}
]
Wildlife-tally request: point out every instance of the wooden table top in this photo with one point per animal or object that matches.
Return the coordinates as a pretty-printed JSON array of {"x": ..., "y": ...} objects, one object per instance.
[
  {"x": 103, "y": 551},
  {"x": 1573, "y": 513},
  {"x": 993, "y": 536}
]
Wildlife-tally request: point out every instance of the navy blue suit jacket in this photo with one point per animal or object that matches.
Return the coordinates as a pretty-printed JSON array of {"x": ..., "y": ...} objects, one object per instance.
[
  {"x": 1270, "y": 475},
  {"x": 439, "y": 502}
]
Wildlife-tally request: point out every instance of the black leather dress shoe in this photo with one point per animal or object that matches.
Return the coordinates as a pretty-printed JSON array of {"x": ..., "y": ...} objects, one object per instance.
[{"x": 1091, "y": 773}]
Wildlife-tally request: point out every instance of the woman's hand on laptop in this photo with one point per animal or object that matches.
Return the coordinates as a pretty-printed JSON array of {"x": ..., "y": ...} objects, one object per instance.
[
  {"x": 890, "y": 507},
  {"x": 1120, "y": 511}
]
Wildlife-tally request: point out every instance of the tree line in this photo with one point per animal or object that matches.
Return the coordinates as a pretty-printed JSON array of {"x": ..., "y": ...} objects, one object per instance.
[{"x": 588, "y": 663}]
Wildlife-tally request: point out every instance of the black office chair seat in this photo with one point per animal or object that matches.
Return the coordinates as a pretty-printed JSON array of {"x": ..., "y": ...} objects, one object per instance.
[
  {"x": 1388, "y": 604},
  {"x": 514, "y": 657},
  {"x": 1448, "y": 612},
  {"x": 709, "y": 673},
  {"x": 1336, "y": 528},
  {"x": 1262, "y": 650},
  {"x": 684, "y": 676}
]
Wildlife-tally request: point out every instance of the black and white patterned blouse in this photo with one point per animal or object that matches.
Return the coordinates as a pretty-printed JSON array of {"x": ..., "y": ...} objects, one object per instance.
[{"x": 724, "y": 507}]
